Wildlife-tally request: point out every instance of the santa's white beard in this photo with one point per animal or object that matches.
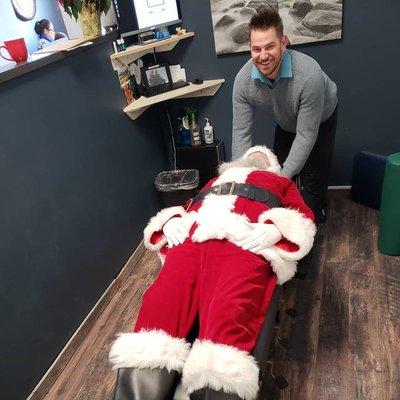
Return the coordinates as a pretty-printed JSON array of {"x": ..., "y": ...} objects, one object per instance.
[{"x": 248, "y": 162}]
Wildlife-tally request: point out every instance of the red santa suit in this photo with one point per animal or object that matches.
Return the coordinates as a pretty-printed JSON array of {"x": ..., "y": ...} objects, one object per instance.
[{"x": 211, "y": 278}]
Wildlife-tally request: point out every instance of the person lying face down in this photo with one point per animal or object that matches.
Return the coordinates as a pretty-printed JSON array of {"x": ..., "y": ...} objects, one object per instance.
[{"x": 223, "y": 256}]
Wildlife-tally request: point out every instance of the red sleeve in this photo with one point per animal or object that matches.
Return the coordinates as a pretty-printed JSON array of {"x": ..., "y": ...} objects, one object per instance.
[{"x": 294, "y": 200}]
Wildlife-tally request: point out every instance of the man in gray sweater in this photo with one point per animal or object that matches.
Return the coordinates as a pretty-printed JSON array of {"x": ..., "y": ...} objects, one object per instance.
[{"x": 303, "y": 100}]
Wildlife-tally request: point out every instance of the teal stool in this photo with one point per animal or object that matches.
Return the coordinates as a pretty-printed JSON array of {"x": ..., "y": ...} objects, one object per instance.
[{"x": 389, "y": 219}]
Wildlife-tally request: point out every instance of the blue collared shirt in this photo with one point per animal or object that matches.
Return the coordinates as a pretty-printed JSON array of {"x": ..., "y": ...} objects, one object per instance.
[{"x": 285, "y": 71}]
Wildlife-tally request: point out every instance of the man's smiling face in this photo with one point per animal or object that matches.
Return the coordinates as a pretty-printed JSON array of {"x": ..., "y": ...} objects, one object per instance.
[{"x": 267, "y": 48}]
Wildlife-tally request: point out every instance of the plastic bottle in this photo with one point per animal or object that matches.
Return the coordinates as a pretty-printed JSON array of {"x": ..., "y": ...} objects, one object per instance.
[
  {"x": 208, "y": 133},
  {"x": 166, "y": 33},
  {"x": 122, "y": 44}
]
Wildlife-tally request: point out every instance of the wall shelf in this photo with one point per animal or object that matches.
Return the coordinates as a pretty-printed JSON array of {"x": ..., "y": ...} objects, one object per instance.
[
  {"x": 207, "y": 88},
  {"x": 122, "y": 59},
  {"x": 132, "y": 53}
]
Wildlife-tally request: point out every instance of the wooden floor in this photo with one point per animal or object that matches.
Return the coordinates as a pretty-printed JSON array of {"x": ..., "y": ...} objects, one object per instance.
[{"x": 344, "y": 343}]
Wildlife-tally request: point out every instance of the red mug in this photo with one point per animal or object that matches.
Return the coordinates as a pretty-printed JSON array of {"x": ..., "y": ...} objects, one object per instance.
[{"x": 17, "y": 50}]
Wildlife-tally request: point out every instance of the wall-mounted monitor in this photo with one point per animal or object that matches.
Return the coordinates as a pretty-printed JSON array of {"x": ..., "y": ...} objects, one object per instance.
[{"x": 136, "y": 16}]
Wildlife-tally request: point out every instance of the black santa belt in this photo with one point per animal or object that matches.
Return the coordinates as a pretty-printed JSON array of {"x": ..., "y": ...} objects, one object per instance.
[{"x": 245, "y": 190}]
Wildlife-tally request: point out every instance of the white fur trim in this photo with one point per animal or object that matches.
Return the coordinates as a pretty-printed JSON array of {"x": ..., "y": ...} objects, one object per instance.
[
  {"x": 187, "y": 220},
  {"x": 149, "y": 349},
  {"x": 161, "y": 258},
  {"x": 221, "y": 367},
  {"x": 284, "y": 269},
  {"x": 215, "y": 218},
  {"x": 276, "y": 170},
  {"x": 295, "y": 227},
  {"x": 235, "y": 174},
  {"x": 156, "y": 224}
]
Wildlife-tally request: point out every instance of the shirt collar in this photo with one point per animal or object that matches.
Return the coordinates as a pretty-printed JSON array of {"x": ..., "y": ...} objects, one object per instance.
[
  {"x": 285, "y": 71},
  {"x": 45, "y": 37}
]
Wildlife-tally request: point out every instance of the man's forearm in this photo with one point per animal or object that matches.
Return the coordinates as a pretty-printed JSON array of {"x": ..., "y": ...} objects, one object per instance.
[
  {"x": 299, "y": 153},
  {"x": 308, "y": 121}
]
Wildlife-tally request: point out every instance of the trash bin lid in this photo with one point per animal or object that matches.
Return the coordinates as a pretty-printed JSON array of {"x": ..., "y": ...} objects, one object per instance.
[{"x": 180, "y": 179}]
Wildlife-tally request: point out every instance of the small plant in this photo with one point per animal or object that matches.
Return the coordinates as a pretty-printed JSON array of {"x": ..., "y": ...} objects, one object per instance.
[{"x": 190, "y": 113}]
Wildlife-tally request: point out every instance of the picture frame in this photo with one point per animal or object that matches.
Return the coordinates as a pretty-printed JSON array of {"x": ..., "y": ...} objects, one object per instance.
[{"x": 156, "y": 76}]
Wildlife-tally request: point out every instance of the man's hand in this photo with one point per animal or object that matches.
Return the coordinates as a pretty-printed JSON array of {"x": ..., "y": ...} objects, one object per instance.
[
  {"x": 175, "y": 231},
  {"x": 259, "y": 238}
]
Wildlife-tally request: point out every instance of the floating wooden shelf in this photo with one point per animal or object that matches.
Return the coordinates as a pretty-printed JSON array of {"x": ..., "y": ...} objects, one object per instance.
[
  {"x": 132, "y": 53},
  {"x": 207, "y": 88}
]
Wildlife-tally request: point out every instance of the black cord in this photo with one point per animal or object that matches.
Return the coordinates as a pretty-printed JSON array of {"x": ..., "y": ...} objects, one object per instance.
[
  {"x": 172, "y": 136},
  {"x": 169, "y": 122}
]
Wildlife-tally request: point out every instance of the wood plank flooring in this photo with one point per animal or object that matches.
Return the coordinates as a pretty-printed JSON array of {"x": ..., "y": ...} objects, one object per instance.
[{"x": 344, "y": 343}]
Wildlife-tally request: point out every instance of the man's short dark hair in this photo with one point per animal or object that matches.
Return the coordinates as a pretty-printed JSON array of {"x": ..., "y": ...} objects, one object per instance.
[{"x": 265, "y": 18}]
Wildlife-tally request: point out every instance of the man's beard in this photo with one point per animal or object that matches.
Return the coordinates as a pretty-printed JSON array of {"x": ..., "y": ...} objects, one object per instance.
[{"x": 248, "y": 162}]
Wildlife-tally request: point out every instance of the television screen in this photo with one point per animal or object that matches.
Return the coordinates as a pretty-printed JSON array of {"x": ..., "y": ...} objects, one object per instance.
[{"x": 135, "y": 16}]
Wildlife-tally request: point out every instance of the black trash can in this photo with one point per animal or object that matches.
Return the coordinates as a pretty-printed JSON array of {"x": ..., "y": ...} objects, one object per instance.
[{"x": 177, "y": 187}]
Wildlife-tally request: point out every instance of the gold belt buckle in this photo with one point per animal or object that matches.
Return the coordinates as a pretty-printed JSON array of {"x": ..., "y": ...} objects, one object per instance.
[{"x": 233, "y": 184}]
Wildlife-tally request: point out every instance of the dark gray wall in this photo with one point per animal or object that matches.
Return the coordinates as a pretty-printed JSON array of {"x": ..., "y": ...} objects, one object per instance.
[
  {"x": 12, "y": 27},
  {"x": 364, "y": 65},
  {"x": 76, "y": 191}
]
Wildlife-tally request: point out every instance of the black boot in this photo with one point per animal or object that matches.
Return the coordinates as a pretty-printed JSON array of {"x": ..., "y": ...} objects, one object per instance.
[
  {"x": 211, "y": 394},
  {"x": 145, "y": 384}
]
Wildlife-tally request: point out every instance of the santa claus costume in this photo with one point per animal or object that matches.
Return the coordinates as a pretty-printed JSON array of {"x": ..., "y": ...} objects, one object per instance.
[{"x": 211, "y": 278}]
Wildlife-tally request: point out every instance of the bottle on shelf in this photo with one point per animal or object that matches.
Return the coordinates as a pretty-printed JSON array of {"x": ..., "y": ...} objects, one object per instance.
[
  {"x": 121, "y": 45},
  {"x": 208, "y": 133},
  {"x": 195, "y": 138}
]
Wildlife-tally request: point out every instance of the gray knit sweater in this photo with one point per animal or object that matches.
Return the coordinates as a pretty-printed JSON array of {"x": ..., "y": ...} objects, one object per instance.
[{"x": 299, "y": 103}]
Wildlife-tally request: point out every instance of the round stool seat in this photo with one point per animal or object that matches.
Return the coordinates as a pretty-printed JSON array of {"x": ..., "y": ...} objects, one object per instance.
[{"x": 389, "y": 219}]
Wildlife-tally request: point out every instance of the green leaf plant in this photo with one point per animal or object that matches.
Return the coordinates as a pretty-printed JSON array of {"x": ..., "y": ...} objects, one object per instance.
[{"x": 74, "y": 7}]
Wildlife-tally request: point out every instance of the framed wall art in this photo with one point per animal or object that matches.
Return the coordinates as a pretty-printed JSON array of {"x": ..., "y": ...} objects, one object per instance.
[{"x": 304, "y": 21}]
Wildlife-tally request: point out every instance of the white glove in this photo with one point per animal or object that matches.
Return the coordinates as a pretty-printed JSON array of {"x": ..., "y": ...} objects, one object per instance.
[
  {"x": 259, "y": 238},
  {"x": 175, "y": 231}
]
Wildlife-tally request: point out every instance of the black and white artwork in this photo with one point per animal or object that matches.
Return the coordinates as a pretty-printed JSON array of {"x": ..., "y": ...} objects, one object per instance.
[{"x": 304, "y": 21}]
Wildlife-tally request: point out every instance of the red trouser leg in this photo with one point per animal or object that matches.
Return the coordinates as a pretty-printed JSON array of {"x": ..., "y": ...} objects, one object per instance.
[
  {"x": 236, "y": 289},
  {"x": 171, "y": 303},
  {"x": 166, "y": 316}
]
